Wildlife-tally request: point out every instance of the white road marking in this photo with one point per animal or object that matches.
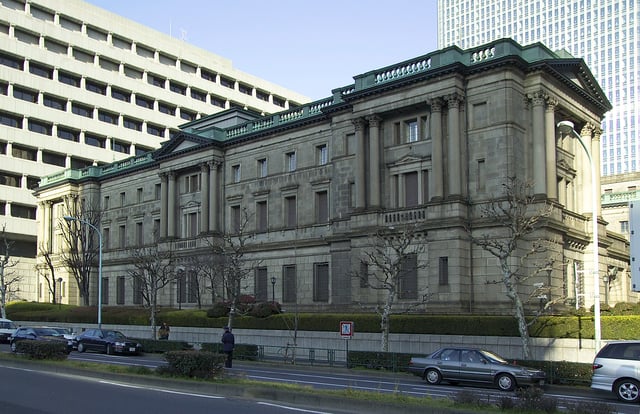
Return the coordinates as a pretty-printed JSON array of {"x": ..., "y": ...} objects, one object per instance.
[
  {"x": 189, "y": 394},
  {"x": 286, "y": 407}
]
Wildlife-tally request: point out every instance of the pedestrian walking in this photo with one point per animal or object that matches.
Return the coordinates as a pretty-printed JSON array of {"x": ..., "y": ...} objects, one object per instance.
[
  {"x": 163, "y": 332},
  {"x": 228, "y": 343}
]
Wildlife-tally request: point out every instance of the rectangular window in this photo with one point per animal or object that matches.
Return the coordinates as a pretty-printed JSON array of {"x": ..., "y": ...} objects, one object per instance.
[
  {"x": 106, "y": 237},
  {"x": 262, "y": 167},
  {"x": 69, "y": 79},
  {"x": 95, "y": 140},
  {"x": 108, "y": 117},
  {"x": 120, "y": 94},
  {"x": 411, "y": 128},
  {"x": 260, "y": 284},
  {"x": 408, "y": 288},
  {"x": 120, "y": 146},
  {"x": 139, "y": 234},
  {"x": 411, "y": 189},
  {"x": 322, "y": 154},
  {"x": 443, "y": 271},
  {"x": 120, "y": 288},
  {"x": 40, "y": 70},
  {"x": 235, "y": 172},
  {"x": 40, "y": 127},
  {"x": 132, "y": 124},
  {"x": 191, "y": 184},
  {"x": 25, "y": 153},
  {"x": 624, "y": 227},
  {"x": 105, "y": 204},
  {"x": 144, "y": 102},
  {"x": 25, "y": 94},
  {"x": 322, "y": 207},
  {"x": 261, "y": 216},
  {"x": 191, "y": 224},
  {"x": 96, "y": 87},
  {"x": 482, "y": 175},
  {"x": 11, "y": 120},
  {"x": 208, "y": 75},
  {"x": 122, "y": 236},
  {"x": 11, "y": 61},
  {"x": 68, "y": 134},
  {"x": 177, "y": 88},
  {"x": 198, "y": 95},
  {"x": 105, "y": 291},
  {"x": 321, "y": 282},
  {"x": 82, "y": 110},
  {"x": 289, "y": 284},
  {"x": 290, "y": 211},
  {"x": 123, "y": 199},
  {"x": 139, "y": 195},
  {"x": 156, "y": 130},
  {"x": 291, "y": 161},
  {"x": 55, "y": 103},
  {"x": 156, "y": 81},
  {"x": 166, "y": 108},
  {"x": 157, "y": 191},
  {"x": 137, "y": 291},
  {"x": 364, "y": 274},
  {"x": 235, "y": 219}
]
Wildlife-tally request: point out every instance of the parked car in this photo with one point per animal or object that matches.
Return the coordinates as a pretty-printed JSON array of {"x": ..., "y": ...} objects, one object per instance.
[
  {"x": 108, "y": 341},
  {"x": 455, "y": 365},
  {"x": 37, "y": 333},
  {"x": 616, "y": 368},
  {"x": 7, "y": 328},
  {"x": 67, "y": 333}
]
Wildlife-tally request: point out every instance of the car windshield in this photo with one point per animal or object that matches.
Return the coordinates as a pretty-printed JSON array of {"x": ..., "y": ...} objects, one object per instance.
[
  {"x": 7, "y": 325},
  {"x": 494, "y": 357},
  {"x": 62, "y": 331},
  {"x": 114, "y": 334},
  {"x": 46, "y": 332}
]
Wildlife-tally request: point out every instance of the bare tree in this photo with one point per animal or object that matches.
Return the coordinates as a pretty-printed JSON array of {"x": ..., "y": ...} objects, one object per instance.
[
  {"x": 233, "y": 268},
  {"x": 207, "y": 275},
  {"x": 517, "y": 215},
  {"x": 153, "y": 269},
  {"x": 48, "y": 271},
  {"x": 80, "y": 235},
  {"x": 8, "y": 278},
  {"x": 392, "y": 258}
]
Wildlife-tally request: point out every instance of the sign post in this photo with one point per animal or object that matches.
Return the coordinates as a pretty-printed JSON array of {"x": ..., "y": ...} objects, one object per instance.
[{"x": 346, "y": 332}]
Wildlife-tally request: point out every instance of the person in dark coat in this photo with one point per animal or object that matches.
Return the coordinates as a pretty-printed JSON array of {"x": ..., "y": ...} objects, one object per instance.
[
  {"x": 163, "y": 332},
  {"x": 228, "y": 343}
]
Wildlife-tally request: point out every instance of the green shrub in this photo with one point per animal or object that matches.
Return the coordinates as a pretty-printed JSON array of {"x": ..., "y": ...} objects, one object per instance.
[
  {"x": 264, "y": 309},
  {"x": 194, "y": 364},
  {"x": 218, "y": 310},
  {"x": 246, "y": 352},
  {"x": 157, "y": 346},
  {"x": 42, "y": 349}
]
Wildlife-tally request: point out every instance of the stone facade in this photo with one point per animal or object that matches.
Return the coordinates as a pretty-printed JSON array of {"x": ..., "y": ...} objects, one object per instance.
[{"x": 427, "y": 141}]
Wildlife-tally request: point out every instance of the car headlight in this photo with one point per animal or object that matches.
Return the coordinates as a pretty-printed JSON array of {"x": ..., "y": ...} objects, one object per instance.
[{"x": 120, "y": 344}]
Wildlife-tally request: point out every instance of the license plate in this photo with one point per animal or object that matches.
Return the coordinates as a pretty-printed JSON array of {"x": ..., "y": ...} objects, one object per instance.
[{"x": 132, "y": 349}]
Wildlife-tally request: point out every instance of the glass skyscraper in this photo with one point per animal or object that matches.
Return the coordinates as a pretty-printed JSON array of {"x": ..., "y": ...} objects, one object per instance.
[{"x": 605, "y": 33}]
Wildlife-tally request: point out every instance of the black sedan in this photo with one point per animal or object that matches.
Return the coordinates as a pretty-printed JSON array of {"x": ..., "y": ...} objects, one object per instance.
[
  {"x": 455, "y": 365},
  {"x": 107, "y": 341},
  {"x": 29, "y": 333}
]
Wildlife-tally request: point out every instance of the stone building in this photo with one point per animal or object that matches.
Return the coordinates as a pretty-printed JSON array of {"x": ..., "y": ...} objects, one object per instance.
[{"x": 428, "y": 141}]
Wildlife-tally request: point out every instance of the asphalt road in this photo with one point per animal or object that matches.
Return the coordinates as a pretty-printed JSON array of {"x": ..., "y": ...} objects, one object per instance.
[{"x": 322, "y": 377}]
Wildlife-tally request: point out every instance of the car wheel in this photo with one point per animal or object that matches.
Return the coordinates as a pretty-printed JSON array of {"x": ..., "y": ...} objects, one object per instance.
[
  {"x": 627, "y": 390},
  {"x": 433, "y": 376},
  {"x": 505, "y": 382},
  {"x": 13, "y": 346},
  {"x": 109, "y": 349},
  {"x": 81, "y": 347}
]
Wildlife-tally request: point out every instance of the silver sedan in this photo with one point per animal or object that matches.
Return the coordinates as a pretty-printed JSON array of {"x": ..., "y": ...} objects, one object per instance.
[{"x": 455, "y": 365}]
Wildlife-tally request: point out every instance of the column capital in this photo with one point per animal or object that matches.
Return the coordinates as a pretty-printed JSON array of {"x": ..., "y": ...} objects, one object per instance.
[
  {"x": 204, "y": 166},
  {"x": 358, "y": 123},
  {"x": 552, "y": 103},
  {"x": 587, "y": 130},
  {"x": 538, "y": 98},
  {"x": 436, "y": 104},
  {"x": 374, "y": 120},
  {"x": 454, "y": 100}
]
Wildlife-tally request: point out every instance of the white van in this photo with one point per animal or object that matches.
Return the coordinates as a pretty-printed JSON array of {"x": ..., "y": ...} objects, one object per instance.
[{"x": 7, "y": 328}]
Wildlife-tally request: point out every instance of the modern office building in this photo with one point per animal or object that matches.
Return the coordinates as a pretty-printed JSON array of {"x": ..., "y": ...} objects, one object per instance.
[
  {"x": 425, "y": 143},
  {"x": 81, "y": 86},
  {"x": 605, "y": 34}
]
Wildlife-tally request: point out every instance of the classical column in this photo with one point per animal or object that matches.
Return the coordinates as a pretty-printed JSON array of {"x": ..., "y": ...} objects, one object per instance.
[
  {"x": 374, "y": 156},
  {"x": 205, "y": 190},
  {"x": 436, "y": 149},
  {"x": 550, "y": 148},
  {"x": 171, "y": 205},
  {"x": 587, "y": 186},
  {"x": 163, "y": 204},
  {"x": 214, "y": 196},
  {"x": 360, "y": 164},
  {"x": 562, "y": 191},
  {"x": 539, "y": 144},
  {"x": 595, "y": 154},
  {"x": 454, "y": 152}
]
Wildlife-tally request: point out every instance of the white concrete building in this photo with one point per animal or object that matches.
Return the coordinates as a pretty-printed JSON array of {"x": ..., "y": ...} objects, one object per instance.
[{"x": 81, "y": 86}]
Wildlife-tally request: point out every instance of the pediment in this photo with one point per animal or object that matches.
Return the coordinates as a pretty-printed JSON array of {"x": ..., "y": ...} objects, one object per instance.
[
  {"x": 181, "y": 143},
  {"x": 407, "y": 160}
]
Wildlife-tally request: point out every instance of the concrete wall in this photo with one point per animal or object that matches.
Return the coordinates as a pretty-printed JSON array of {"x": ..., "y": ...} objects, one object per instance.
[{"x": 325, "y": 343}]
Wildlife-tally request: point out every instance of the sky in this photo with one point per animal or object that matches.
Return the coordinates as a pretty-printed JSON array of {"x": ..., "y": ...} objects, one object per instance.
[{"x": 307, "y": 47}]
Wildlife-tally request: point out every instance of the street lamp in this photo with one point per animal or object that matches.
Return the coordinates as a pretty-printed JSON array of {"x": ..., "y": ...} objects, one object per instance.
[
  {"x": 83, "y": 221},
  {"x": 566, "y": 127},
  {"x": 273, "y": 289}
]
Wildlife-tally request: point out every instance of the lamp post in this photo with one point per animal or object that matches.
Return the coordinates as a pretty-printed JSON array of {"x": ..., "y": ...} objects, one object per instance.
[
  {"x": 566, "y": 127},
  {"x": 273, "y": 289},
  {"x": 83, "y": 221}
]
